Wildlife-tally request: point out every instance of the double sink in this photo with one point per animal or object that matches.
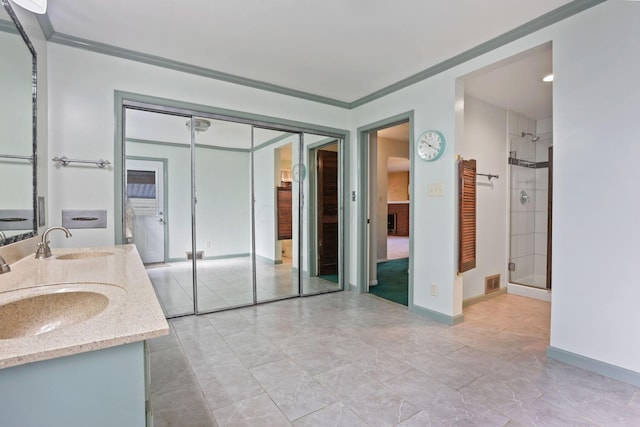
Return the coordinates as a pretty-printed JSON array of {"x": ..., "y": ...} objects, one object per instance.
[
  {"x": 38, "y": 310},
  {"x": 74, "y": 301}
]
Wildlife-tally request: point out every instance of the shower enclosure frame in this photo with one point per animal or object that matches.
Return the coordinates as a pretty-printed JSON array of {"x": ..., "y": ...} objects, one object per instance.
[
  {"x": 155, "y": 105},
  {"x": 524, "y": 198}
]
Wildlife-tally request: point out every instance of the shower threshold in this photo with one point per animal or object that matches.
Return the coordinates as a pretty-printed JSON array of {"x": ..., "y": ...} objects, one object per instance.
[{"x": 529, "y": 291}]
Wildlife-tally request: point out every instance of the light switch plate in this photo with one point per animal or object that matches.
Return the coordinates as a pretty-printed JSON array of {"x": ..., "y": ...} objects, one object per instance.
[{"x": 436, "y": 190}]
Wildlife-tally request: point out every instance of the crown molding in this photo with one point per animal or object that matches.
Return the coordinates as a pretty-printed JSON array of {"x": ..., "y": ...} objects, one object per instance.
[
  {"x": 556, "y": 15},
  {"x": 552, "y": 17}
]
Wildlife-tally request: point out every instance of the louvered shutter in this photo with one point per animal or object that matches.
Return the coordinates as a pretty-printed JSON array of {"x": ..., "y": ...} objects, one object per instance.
[{"x": 467, "y": 215}]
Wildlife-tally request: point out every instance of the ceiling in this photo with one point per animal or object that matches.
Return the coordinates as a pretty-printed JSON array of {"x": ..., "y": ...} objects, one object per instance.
[
  {"x": 340, "y": 49},
  {"x": 398, "y": 132},
  {"x": 516, "y": 84}
]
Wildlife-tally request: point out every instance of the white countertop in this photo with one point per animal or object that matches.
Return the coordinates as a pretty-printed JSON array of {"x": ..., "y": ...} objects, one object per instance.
[{"x": 132, "y": 314}]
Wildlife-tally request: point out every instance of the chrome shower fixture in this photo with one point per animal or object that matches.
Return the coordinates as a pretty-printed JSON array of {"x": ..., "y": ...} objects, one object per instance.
[
  {"x": 201, "y": 125},
  {"x": 534, "y": 138}
]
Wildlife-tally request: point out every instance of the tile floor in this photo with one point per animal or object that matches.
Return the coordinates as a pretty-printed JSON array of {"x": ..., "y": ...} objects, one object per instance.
[
  {"x": 346, "y": 359},
  {"x": 227, "y": 283}
]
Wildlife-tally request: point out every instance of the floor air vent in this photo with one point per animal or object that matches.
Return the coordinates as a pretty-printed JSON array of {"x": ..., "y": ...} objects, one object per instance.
[{"x": 491, "y": 284}]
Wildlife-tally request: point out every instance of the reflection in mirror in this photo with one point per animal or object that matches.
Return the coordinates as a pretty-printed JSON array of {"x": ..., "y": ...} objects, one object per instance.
[
  {"x": 158, "y": 203},
  {"x": 276, "y": 196},
  {"x": 322, "y": 226},
  {"x": 227, "y": 213},
  {"x": 223, "y": 215},
  {"x": 17, "y": 139}
]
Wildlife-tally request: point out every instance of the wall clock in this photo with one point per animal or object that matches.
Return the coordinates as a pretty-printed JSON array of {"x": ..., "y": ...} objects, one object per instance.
[{"x": 430, "y": 145}]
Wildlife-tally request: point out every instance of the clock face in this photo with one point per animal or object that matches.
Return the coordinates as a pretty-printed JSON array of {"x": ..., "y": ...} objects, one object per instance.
[{"x": 430, "y": 145}]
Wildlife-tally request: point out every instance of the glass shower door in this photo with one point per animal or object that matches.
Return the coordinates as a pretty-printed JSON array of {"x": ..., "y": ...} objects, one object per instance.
[{"x": 529, "y": 170}]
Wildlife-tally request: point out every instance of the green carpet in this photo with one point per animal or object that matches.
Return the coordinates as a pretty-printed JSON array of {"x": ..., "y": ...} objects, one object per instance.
[
  {"x": 330, "y": 277},
  {"x": 393, "y": 281}
]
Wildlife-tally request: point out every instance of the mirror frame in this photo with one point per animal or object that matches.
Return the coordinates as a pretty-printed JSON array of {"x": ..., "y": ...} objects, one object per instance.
[{"x": 34, "y": 151}]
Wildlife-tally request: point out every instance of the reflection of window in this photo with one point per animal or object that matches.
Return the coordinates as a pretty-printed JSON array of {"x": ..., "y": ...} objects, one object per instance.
[
  {"x": 141, "y": 184},
  {"x": 141, "y": 192}
]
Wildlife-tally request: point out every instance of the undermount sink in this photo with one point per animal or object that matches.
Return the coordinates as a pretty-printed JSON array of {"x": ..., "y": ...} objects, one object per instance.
[
  {"x": 84, "y": 255},
  {"x": 37, "y": 311}
]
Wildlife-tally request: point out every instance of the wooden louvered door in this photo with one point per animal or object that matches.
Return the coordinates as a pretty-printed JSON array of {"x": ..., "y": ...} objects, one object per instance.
[{"x": 467, "y": 215}]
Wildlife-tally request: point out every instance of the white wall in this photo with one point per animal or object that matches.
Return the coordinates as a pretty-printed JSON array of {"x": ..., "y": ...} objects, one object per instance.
[
  {"x": 485, "y": 140},
  {"x": 223, "y": 208},
  {"x": 595, "y": 203},
  {"x": 81, "y": 95}
]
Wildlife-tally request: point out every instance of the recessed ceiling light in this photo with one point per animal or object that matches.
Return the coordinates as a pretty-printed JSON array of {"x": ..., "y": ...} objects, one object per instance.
[{"x": 548, "y": 78}]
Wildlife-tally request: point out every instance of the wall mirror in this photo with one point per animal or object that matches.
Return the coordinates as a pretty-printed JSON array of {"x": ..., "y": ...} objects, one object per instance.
[{"x": 17, "y": 130}]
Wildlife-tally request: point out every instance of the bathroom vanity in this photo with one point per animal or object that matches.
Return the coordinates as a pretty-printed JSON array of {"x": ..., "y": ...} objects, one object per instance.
[{"x": 72, "y": 339}]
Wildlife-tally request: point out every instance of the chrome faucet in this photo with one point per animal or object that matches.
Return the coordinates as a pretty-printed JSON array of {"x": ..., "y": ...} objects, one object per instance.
[
  {"x": 4, "y": 267},
  {"x": 43, "y": 250}
]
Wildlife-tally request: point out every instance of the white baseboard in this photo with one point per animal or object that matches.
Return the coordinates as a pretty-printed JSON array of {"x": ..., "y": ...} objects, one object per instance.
[
  {"x": 529, "y": 291},
  {"x": 597, "y": 366}
]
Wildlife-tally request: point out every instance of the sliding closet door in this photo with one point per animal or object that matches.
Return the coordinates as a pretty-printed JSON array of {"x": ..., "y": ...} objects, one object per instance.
[
  {"x": 322, "y": 215},
  {"x": 223, "y": 245},
  {"x": 277, "y": 194},
  {"x": 157, "y": 203}
]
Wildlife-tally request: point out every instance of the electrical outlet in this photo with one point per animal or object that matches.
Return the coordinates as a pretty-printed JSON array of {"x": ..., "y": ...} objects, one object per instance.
[
  {"x": 434, "y": 289},
  {"x": 208, "y": 245}
]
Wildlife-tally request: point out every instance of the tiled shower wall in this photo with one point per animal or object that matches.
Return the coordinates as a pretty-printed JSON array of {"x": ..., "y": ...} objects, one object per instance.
[{"x": 529, "y": 220}]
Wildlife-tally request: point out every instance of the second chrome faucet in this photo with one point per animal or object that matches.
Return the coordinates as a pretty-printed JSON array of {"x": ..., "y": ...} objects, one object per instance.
[{"x": 43, "y": 250}]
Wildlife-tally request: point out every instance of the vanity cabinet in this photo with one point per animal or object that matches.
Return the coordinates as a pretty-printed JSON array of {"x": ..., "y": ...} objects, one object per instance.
[
  {"x": 58, "y": 371},
  {"x": 102, "y": 388}
]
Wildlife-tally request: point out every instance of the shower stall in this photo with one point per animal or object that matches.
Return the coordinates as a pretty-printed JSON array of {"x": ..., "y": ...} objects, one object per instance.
[{"x": 530, "y": 169}]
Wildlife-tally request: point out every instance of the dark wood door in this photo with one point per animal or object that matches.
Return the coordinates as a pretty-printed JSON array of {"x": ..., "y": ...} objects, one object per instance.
[
  {"x": 327, "y": 212},
  {"x": 285, "y": 227}
]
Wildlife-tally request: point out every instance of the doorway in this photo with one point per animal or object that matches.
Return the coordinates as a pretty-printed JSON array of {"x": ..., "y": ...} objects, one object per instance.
[
  {"x": 508, "y": 130},
  {"x": 388, "y": 189},
  {"x": 325, "y": 231},
  {"x": 145, "y": 207},
  {"x": 236, "y": 189}
]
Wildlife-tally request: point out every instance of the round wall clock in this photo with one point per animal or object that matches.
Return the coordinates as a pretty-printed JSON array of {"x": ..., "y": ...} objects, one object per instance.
[{"x": 430, "y": 145}]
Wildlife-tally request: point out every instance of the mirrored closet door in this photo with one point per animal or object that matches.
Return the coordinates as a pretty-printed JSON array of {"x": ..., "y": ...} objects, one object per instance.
[
  {"x": 227, "y": 213},
  {"x": 157, "y": 203}
]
